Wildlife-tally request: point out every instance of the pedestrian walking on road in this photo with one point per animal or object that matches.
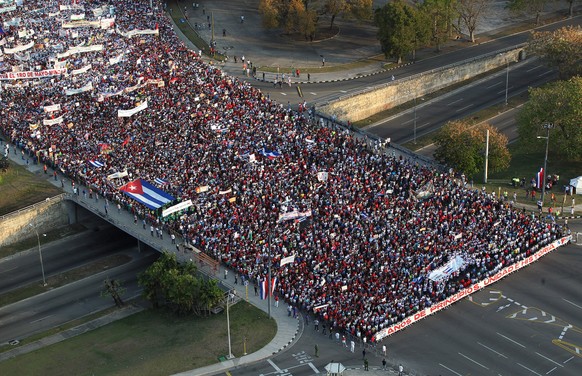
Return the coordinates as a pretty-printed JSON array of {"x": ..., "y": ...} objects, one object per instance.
[
  {"x": 316, "y": 325},
  {"x": 225, "y": 273},
  {"x": 316, "y": 351},
  {"x": 384, "y": 350},
  {"x": 384, "y": 364},
  {"x": 366, "y": 365},
  {"x": 400, "y": 370},
  {"x": 363, "y": 353}
]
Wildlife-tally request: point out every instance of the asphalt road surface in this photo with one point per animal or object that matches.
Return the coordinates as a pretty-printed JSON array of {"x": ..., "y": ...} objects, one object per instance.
[
  {"x": 24, "y": 268},
  {"x": 324, "y": 92},
  {"x": 461, "y": 103},
  {"x": 69, "y": 302}
]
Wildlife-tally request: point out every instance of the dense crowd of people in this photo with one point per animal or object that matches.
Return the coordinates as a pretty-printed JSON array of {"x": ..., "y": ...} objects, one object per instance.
[{"x": 379, "y": 224}]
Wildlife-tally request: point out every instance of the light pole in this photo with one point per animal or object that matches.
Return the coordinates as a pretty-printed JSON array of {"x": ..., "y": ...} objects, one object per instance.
[
  {"x": 547, "y": 127},
  {"x": 269, "y": 278},
  {"x": 506, "y": 80},
  {"x": 414, "y": 120},
  {"x": 39, "y": 253},
  {"x": 230, "y": 356}
]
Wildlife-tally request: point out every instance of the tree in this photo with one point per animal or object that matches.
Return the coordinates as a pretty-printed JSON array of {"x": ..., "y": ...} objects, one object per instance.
[
  {"x": 462, "y": 147},
  {"x": 401, "y": 29},
  {"x": 359, "y": 9},
  {"x": 561, "y": 48},
  {"x": 528, "y": 6},
  {"x": 113, "y": 288},
  {"x": 167, "y": 282},
  {"x": 470, "y": 11},
  {"x": 269, "y": 11},
  {"x": 439, "y": 14},
  {"x": 559, "y": 103}
]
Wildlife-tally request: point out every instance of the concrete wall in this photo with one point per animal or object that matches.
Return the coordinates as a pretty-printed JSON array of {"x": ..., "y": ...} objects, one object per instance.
[
  {"x": 43, "y": 216},
  {"x": 362, "y": 105}
]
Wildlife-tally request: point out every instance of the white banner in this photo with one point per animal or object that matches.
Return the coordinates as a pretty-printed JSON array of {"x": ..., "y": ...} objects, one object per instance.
[
  {"x": 132, "y": 33},
  {"x": 175, "y": 208},
  {"x": 53, "y": 121},
  {"x": 70, "y": 7},
  {"x": 31, "y": 74},
  {"x": 79, "y": 50},
  {"x": 445, "y": 271},
  {"x": 293, "y": 215},
  {"x": 82, "y": 23},
  {"x": 52, "y": 107},
  {"x": 107, "y": 23},
  {"x": 135, "y": 110},
  {"x": 8, "y": 9},
  {"x": 469, "y": 290},
  {"x": 77, "y": 17},
  {"x": 81, "y": 70},
  {"x": 288, "y": 260},
  {"x": 202, "y": 189},
  {"x": 225, "y": 192},
  {"x": 117, "y": 175},
  {"x": 82, "y": 89},
  {"x": 115, "y": 60},
  {"x": 18, "y": 48},
  {"x": 322, "y": 176}
]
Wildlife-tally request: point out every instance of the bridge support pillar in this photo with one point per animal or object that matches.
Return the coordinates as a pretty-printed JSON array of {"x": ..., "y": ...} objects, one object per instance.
[{"x": 139, "y": 245}]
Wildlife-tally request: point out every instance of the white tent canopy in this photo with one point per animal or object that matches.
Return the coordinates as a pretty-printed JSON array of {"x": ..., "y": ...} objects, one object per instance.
[{"x": 577, "y": 184}]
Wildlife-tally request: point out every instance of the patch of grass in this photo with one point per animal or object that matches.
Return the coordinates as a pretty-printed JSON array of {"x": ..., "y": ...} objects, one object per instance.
[
  {"x": 20, "y": 188},
  {"x": 327, "y": 69},
  {"x": 62, "y": 279},
  {"x": 153, "y": 342}
]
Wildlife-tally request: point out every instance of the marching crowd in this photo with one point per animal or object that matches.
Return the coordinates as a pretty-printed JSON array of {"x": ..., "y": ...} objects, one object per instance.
[{"x": 378, "y": 224}]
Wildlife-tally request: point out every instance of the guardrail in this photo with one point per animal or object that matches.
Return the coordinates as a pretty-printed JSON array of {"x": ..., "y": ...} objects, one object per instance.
[{"x": 53, "y": 199}]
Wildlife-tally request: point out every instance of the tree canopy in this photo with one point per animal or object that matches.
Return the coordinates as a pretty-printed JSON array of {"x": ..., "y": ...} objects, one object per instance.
[
  {"x": 401, "y": 29},
  {"x": 462, "y": 146},
  {"x": 440, "y": 15},
  {"x": 167, "y": 282},
  {"x": 559, "y": 103},
  {"x": 561, "y": 49},
  {"x": 533, "y": 7}
]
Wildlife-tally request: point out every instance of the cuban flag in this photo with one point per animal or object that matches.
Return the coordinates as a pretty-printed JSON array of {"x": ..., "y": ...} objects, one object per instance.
[
  {"x": 271, "y": 154},
  {"x": 96, "y": 164},
  {"x": 263, "y": 287},
  {"x": 160, "y": 181},
  {"x": 145, "y": 193},
  {"x": 540, "y": 178}
]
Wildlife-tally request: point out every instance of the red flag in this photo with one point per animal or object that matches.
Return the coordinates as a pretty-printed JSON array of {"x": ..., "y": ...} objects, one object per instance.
[
  {"x": 133, "y": 187},
  {"x": 126, "y": 141}
]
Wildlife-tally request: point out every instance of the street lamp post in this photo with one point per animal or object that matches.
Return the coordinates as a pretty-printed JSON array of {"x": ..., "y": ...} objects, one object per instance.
[
  {"x": 230, "y": 356},
  {"x": 506, "y": 81},
  {"x": 39, "y": 254},
  {"x": 269, "y": 277},
  {"x": 547, "y": 127},
  {"x": 415, "y": 119}
]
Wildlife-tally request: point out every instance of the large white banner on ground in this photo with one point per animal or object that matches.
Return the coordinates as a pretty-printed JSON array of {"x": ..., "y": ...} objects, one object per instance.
[
  {"x": 52, "y": 107},
  {"x": 20, "y": 48},
  {"x": 175, "y": 208},
  {"x": 81, "y": 70},
  {"x": 79, "y": 50},
  {"x": 469, "y": 290},
  {"x": 133, "y": 111},
  {"x": 132, "y": 33},
  {"x": 53, "y": 121}
]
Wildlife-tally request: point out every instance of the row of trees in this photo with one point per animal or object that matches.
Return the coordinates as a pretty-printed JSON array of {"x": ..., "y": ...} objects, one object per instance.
[
  {"x": 304, "y": 15},
  {"x": 177, "y": 286},
  {"x": 461, "y": 145}
]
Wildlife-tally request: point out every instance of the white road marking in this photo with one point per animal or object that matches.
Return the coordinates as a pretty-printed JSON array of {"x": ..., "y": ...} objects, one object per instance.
[
  {"x": 494, "y": 292},
  {"x": 274, "y": 366},
  {"x": 550, "y": 371},
  {"x": 283, "y": 94},
  {"x": 551, "y": 320},
  {"x": 574, "y": 304},
  {"x": 453, "y": 102},
  {"x": 490, "y": 86},
  {"x": 534, "y": 68},
  {"x": 474, "y": 361},
  {"x": 312, "y": 93},
  {"x": 445, "y": 367},
  {"x": 564, "y": 331},
  {"x": 503, "y": 307},
  {"x": 490, "y": 349},
  {"x": 46, "y": 317},
  {"x": 343, "y": 91},
  {"x": 464, "y": 108},
  {"x": 545, "y": 357},
  {"x": 532, "y": 318},
  {"x": 543, "y": 74},
  {"x": 503, "y": 91},
  {"x": 424, "y": 125},
  {"x": 509, "y": 299},
  {"x": 509, "y": 339},
  {"x": 567, "y": 360},
  {"x": 543, "y": 314},
  {"x": 531, "y": 370},
  {"x": 408, "y": 121},
  {"x": 313, "y": 367}
]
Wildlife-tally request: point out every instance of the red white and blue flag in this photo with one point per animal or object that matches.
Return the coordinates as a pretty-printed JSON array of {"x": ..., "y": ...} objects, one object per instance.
[
  {"x": 96, "y": 163},
  {"x": 145, "y": 193},
  {"x": 263, "y": 287},
  {"x": 160, "y": 181},
  {"x": 540, "y": 178},
  {"x": 271, "y": 154}
]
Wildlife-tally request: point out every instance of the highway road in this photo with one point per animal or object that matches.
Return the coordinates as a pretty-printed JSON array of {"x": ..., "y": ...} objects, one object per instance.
[
  {"x": 463, "y": 102},
  {"x": 324, "y": 92},
  {"x": 24, "y": 268}
]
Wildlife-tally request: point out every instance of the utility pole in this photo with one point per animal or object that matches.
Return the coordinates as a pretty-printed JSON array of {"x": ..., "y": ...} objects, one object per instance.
[
  {"x": 486, "y": 155},
  {"x": 547, "y": 127}
]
